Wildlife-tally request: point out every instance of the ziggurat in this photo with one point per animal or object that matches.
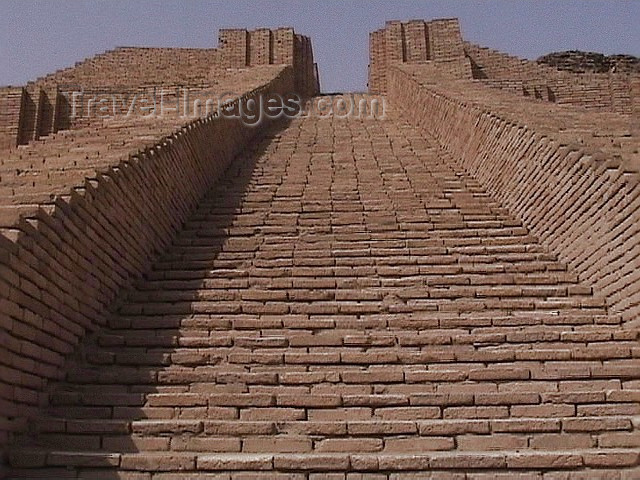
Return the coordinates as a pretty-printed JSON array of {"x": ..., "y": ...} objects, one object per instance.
[{"x": 449, "y": 290}]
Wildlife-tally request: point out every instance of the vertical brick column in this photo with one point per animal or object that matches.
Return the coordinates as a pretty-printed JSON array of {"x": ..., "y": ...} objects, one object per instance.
[
  {"x": 386, "y": 47},
  {"x": 235, "y": 42},
  {"x": 28, "y": 116},
  {"x": 416, "y": 41},
  {"x": 298, "y": 59},
  {"x": 11, "y": 100},
  {"x": 445, "y": 39},
  {"x": 394, "y": 42},
  {"x": 307, "y": 67},
  {"x": 377, "y": 62},
  {"x": 283, "y": 40},
  {"x": 46, "y": 111},
  {"x": 62, "y": 120},
  {"x": 260, "y": 47}
]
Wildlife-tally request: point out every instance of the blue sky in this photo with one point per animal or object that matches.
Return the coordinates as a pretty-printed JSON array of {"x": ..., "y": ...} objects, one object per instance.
[{"x": 38, "y": 37}]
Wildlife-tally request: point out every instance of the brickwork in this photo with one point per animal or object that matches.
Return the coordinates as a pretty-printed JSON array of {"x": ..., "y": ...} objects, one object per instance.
[
  {"x": 438, "y": 42},
  {"x": 307, "y": 319},
  {"x": 10, "y": 105},
  {"x": 127, "y": 70},
  {"x": 604, "y": 91},
  {"x": 241, "y": 48},
  {"x": 448, "y": 290},
  {"x": 60, "y": 275},
  {"x": 518, "y": 163},
  {"x": 235, "y": 44},
  {"x": 260, "y": 47},
  {"x": 136, "y": 66}
]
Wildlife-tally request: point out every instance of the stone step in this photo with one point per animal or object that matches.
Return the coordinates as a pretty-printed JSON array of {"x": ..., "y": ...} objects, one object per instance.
[
  {"x": 377, "y": 321},
  {"x": 389, "y": 250},
  {"x": 215, "y": 349},
  {"x": 568, "y": 460},
  {"x": 163, "y": 280},
  {"x": 326, "y": 426},
  {"x": 183, "y": 340},
  {"x": 571, "y": 397},
  {"x": 527, "y": 358},
  {"x": 317, "y": 438},
  {"x": 530, "y": 293},
  {"x": 453, "y": 369},
  {"x": 329, "y": 309}
]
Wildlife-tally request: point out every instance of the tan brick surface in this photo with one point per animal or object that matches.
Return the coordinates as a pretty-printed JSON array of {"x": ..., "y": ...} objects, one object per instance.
[{"x": 399, "y": 297}]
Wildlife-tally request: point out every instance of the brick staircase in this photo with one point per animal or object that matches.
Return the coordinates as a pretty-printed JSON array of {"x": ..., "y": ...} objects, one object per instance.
[{"x": 347, "y": 300}]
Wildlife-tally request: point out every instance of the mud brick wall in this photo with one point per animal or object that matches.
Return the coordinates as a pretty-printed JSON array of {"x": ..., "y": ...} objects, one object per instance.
[
  {"x": 32, "y": 113},
  {"x": 415, "y": 41},
  {"x": 283, "y": 46},
  {"x": 377, "y": 62},
  {"x": 445, "y": 40},
  {"x": 416, "y": 37},
  {"x": 10, "y": 105},
  {"x": 234, "y": 45},
  {"x": 241, "y": 48},
  {"x": 582, "y": 202},
  {"x": 28, "y": 115},
  {"x": 598, "y": 91},
  {"x": 61, "y": 269},
  {"x": 306, "y": 80},
  {"x": 138, "y": 66},
  {"x": 260, "y": 47},
  {"x": 44, "y": 108}
]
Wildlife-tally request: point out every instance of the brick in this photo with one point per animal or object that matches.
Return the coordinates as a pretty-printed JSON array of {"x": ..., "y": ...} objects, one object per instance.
[
  {"x": 552, "y": 441},
  {"x": 27, "y": 458},
  {"x": 326, "y": 462},
  {"x": 468, "y": 461},
  {"x": 619, "y": 440},
  {"x": 611, "y": 459},
  {"x": 135, "y": 443},
  {"x": 205, "y": 444},
  {"x": 476, "y": 412},
  {"x": 547, "y": 410},
  {"x": 345, "y": 293},
  {"x": 594, "y": 424},
  {"x": 158, "y": 462},
  {"x": 83, "y": 459},
  {"x": 491, "y": 442},
  {"x": 224, "y": 462},
  {"x": 421, "y": 444},
  {"x": 544, "y": 460},
  {"x": 349, "y": 445},
  {"x": 284, "y": 444}
]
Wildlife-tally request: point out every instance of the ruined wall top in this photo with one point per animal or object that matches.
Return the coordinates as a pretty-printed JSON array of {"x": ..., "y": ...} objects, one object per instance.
[{"x": 416, "y": 41}]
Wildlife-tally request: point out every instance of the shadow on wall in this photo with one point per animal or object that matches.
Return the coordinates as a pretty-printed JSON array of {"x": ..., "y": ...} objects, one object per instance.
[{"x": 159, "y": 341}]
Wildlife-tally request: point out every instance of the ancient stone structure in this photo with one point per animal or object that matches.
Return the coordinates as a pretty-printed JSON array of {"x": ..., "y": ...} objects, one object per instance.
[
  {"x": 42, "y": 107},
  {"x": 439, "y": 45},
  {"x": 582, "y": 62},
  {"x": 448, "y": 289}
]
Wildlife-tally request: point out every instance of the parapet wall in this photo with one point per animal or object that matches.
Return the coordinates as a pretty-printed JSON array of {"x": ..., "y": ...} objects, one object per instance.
[
  {"x": 44, "y": 104},
  {"x": 11, "y": 99},
  {"x": 241, "y": 48},
  {"x": 439, "y": 42},
  {"x": 138, "y": 66},
  {"x": 415, "y": 41},
  {"x": 598, "y": 91},
  {"x": 567, "y": 173},
  {"x": 62, "y": 267}
]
